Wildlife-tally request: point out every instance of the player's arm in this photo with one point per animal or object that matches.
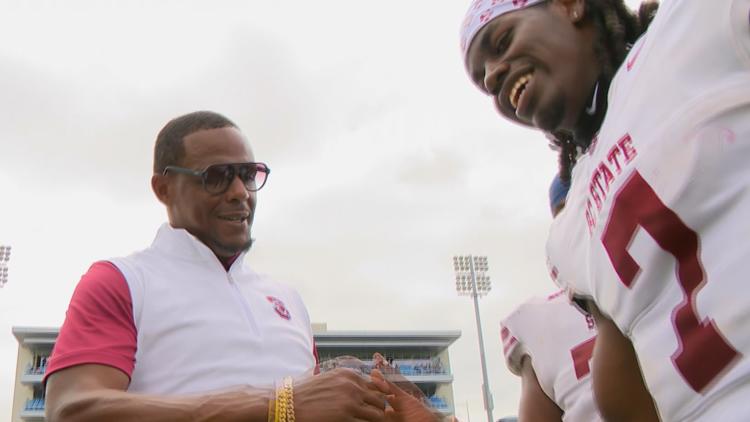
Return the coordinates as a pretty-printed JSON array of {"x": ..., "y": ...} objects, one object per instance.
[
  {"x": 619, "y": 389},
  {"x": 535, "y": 405},
  {"x": 93, "y": 393}
]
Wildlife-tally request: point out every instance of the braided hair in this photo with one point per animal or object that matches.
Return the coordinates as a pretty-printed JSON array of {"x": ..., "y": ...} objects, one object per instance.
[{"x": 618, "y": 28}]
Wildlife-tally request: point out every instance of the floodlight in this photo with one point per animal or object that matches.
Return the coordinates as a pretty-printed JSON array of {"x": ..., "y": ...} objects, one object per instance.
[
  {"x": 4, "y": 258},
  {"x": 472, "y": 280}
]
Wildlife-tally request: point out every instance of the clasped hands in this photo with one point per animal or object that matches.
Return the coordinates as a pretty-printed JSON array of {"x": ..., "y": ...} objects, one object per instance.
[{"x": 347, "y": 393}]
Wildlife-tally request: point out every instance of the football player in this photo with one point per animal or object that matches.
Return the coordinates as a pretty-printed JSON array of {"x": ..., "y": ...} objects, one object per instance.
[
  {"x": 549, "y": 343},
  {"x": 650, "y": 241}
]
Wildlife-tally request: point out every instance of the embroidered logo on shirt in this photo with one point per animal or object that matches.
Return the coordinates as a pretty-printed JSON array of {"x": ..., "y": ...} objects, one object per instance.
[{"x": 279, "y": 307}]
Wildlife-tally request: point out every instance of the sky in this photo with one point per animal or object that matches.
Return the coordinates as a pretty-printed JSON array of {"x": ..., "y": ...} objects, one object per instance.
[{"x": 385, "y": 160}]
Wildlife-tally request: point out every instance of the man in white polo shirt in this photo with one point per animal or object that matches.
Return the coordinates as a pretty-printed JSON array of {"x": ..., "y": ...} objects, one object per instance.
[{"x": 184, "y": 330}]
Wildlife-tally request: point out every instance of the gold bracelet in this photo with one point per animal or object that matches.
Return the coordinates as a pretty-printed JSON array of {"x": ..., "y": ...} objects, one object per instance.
[
  {"x": 280, "y": 415},
  {"x": 285, "y": 402},
  {"x": 289, "y": 387}
]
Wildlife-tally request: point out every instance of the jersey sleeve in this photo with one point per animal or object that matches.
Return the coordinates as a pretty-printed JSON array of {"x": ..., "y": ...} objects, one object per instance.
[
  {"x": 99, "y": 326},
  {"x": 513, "y": 349}
]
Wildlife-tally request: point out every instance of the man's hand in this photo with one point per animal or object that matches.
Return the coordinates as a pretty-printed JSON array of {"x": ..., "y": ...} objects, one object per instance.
[
  {"x": 404, "y": 407},
  {"x": 339, "y": 395},
  {"x": 394, "y": 375}
]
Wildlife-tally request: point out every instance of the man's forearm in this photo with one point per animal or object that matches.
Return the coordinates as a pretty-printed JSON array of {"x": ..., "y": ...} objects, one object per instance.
[{"x": 244, "y": 405}]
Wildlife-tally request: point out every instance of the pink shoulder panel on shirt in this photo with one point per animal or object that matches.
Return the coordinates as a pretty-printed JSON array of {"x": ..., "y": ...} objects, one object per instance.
[{"x": 99, "y": 327}]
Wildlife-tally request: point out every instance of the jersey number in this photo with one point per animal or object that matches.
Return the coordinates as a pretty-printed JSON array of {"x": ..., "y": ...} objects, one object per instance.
[
  {"x": 702, "y": 353},
  {"x": 581, "y": 356}
]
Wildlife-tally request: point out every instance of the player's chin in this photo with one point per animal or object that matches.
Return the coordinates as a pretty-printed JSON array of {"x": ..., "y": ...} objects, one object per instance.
[{"x": 550, "y": 115}]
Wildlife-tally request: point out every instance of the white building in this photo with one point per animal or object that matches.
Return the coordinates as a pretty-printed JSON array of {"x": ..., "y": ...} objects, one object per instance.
[
  {"x": 421, "y": 356},
  {"x": 34, "y": 347}
]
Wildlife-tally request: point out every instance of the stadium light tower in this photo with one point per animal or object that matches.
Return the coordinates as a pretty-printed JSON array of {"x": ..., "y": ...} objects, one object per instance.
[
  {"x": 4, "y": 257},
  {"x": 472, "y": 280}
]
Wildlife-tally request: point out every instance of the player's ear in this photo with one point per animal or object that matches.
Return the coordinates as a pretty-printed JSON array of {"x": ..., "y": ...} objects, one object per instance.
[
  {"x": 161, "y": 187},
  {"x": 573, "y": 9}
]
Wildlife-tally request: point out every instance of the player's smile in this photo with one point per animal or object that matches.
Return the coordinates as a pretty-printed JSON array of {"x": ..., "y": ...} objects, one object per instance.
[
  {"x": 521, "y": 98},
  {"x": 518, "y": 89}
]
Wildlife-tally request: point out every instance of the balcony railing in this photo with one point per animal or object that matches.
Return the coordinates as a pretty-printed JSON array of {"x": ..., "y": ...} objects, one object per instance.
[
  {"x": 414, "y": 367},
  {"x": 34, "y": 404},
  {"x": 437, "y": 402},
  {"x": 35, "y": 370},
  {"x": 419, "y": 368},
  {"x": 33, "y": 375}
]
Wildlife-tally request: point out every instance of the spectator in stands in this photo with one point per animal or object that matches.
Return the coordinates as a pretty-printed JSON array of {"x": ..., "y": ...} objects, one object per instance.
[
  {"x": 160, "y": 335},
  {"x": 438, "y": 366}
]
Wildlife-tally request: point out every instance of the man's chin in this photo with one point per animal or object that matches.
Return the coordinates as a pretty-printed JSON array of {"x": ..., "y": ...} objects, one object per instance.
[{"x": 229, "y": 249}]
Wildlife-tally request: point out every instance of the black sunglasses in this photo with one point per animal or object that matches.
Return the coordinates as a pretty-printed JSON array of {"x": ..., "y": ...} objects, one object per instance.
[{"x": 218, "y": 177}]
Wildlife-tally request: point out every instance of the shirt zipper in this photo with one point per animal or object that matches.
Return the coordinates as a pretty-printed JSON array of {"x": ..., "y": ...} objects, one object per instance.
[{"x": 243, "y": 304}]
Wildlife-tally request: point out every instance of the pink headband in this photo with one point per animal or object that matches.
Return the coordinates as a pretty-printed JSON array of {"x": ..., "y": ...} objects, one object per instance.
[{"x": 482, "y": 12}]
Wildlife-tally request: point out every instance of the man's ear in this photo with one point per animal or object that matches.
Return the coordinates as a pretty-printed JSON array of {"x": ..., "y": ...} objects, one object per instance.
[{"x": 160, "y": 186}]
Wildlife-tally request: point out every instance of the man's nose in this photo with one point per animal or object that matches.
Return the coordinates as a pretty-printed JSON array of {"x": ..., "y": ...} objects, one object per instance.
[{"x": 237, "y": 189}]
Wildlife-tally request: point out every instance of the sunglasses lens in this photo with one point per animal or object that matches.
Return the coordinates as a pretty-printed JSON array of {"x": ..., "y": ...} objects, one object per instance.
[
  {"x": 253, "y": 175},
  {"x": 218, "y": 177}
]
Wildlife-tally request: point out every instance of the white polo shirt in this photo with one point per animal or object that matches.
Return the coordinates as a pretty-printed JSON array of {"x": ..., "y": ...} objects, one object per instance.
[{"x": 177, "y": 322}]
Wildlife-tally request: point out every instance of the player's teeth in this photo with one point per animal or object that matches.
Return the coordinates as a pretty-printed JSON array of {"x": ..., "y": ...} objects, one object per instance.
[{"x": 515, "y": 92}]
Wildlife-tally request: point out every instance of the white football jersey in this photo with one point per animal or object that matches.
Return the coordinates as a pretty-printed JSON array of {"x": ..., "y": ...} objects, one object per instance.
[
  {"x": 655, "y": 229},
  {"x": 559, "y": 339}
]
